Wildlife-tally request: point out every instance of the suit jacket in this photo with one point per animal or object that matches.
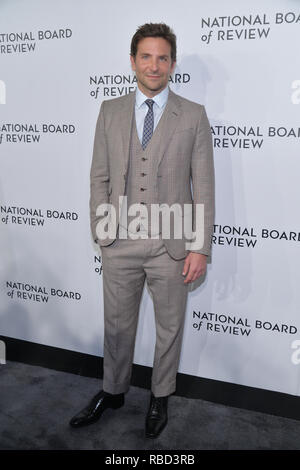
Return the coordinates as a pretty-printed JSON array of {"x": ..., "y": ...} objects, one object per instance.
[{"x": 185, "y": 157}]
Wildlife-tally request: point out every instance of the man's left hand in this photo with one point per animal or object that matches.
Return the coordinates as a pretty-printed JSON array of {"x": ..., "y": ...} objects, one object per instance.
[{"x": 194, "y": 267}]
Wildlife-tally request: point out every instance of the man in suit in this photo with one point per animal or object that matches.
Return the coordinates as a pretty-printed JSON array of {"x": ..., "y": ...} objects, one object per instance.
[{"x": 151, "y": 147}]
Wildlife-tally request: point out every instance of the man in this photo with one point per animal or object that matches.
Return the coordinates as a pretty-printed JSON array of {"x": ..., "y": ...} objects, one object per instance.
[{"x": 149, "y": 146}]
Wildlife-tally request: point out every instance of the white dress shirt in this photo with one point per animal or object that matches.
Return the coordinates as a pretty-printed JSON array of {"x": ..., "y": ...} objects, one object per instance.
[{"x": 141, "y": 109}]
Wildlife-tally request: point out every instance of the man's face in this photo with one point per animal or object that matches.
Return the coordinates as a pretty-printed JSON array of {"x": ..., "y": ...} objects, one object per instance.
[{"x": 152, "y": 65}]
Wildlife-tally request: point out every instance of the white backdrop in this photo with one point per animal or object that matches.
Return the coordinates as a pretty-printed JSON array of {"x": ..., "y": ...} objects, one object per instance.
[{"x": 58, "y": 60}]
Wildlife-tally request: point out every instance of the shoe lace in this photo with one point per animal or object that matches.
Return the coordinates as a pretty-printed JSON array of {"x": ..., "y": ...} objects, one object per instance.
[{"x": 156, "y": 406}]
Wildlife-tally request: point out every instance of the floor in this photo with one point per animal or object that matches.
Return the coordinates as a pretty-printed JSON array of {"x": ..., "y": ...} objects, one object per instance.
[{"x": 36, "y": 405}]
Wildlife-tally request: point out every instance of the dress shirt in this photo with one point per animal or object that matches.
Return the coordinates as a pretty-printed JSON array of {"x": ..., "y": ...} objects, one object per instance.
[{"x": 141, "y": 109}]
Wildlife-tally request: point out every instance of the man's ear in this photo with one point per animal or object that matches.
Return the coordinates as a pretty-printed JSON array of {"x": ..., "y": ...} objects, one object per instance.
[
  {"x": 173, "y": 66},
  {"x": 132, "y": 60}
]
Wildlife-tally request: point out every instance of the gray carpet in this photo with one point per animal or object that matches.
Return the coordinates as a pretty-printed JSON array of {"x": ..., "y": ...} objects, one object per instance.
[{"x": 36, "y": 405}]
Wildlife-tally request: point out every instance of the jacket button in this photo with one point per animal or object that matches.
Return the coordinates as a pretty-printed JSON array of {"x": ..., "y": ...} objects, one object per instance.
[{"x": 143, "y": 189}]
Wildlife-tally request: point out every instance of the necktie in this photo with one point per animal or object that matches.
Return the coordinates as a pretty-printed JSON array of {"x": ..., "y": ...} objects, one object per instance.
[{"x": 148, "y": 124}]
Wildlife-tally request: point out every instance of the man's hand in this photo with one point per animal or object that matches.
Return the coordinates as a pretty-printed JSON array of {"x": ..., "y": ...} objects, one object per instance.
[{"x": 194, "y": 267}]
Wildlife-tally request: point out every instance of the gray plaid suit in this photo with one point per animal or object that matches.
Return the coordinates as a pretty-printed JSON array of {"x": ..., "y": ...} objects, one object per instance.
[{"x": 181, "y": 153}]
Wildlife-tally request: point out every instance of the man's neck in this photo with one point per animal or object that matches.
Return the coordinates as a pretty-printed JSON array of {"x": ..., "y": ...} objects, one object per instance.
[{"x": 150, "y": 94}]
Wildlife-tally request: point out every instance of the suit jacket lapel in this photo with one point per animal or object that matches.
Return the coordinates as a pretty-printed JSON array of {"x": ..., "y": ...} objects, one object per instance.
[
  {"x": 170, "y": 121},
  {"x": 170, "y": 118},
  {"x": 127, "y": 115}
]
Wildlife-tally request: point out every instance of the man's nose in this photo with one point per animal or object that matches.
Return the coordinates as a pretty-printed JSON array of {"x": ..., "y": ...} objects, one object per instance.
[{"x": 154, "y": 65}]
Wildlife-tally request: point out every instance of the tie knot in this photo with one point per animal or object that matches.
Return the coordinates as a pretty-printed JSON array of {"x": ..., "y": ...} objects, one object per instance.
[{"x": 149, "y": 103}]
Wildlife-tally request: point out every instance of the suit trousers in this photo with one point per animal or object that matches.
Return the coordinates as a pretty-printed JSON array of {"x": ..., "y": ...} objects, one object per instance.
[{"x": 127, "y": 264}]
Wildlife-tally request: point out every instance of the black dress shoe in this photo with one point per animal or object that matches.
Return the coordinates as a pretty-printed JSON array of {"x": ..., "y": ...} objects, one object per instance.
[
  {"x": 95, "y": 408},
  {"x": 157, "y": 416}
]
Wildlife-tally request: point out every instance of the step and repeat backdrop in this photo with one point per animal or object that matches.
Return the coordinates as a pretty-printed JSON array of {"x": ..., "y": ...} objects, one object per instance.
[{"x": 59, "y": 60}]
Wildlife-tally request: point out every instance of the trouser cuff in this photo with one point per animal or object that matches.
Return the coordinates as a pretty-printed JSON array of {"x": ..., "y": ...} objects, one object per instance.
[
  {"x": 163, "y": 390},
  {"x": 115, "y": 388}
]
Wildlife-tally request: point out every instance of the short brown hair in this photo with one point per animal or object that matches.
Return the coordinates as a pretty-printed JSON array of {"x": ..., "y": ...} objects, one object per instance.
[{"x": 154, "y": 30}]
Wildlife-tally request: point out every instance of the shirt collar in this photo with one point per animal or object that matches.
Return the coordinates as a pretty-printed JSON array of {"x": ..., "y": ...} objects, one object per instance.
[{"x": 160, "y": 99}]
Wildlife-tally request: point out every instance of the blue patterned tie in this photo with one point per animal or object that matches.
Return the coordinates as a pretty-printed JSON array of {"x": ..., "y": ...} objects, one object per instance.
[{"x": 148, "y": 124}]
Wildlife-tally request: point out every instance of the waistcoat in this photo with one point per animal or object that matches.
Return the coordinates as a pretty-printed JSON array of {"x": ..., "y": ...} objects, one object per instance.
[{"x": 141, "y": 184}]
